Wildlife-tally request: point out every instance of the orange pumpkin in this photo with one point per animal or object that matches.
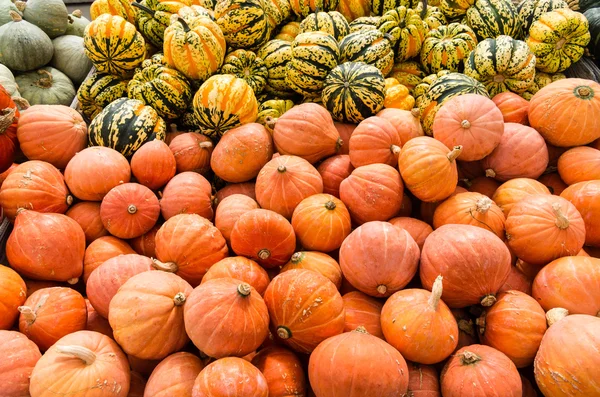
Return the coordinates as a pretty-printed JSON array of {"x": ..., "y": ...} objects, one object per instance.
[
  {"x": 305, "y": 131},
  {"x": 149, "y": 307},
  {"x": 423, "y": 381},
  {"x": 242, "y": 269},
  {"x": 153, "y": 164},
  {"x": 427, "y": 210},
  {"x": 517, "y": 281},
  {"x": 105, "y": 281},
  {"x": 469, "y": 170},
  {"x": 483, "y": 185},
  {"x": 34, "y": 185},
  {"x": 372, "y": 193},
  {"x": 585, "y": 196},
  {"x": 417, "y": 229},
  {"x": 18, "y": 356},
  {"x": 514, "y": 108},
  {"x": 51, "y": 313},
  {"x": 305, "y": 308},
  {"x": 470, "y": 209},
  {"x": 333, "y": 171},
  {"x": 283, "y": 371},
  {"x": 566, "y": 112},
  {"x": 321, "y": 222},
  {"x": 264, "y": 236},
  {"x": 481, "y": 371},
  {"x": 392, "y": 249},
  {"x": 408, "y": 312},
  {"x": 226, "y": 317},
  {"x": 96, "y": 322},
  {"x": 356, "y": 364},
  {"x": 428, "y": 168},
  {"x": 229, "y": 210},
  {"x": 189, "y": 245},
  {"x": 246, "y": 188},
  {"x": 522, "y": 153},
  {"x": 579, "y": 164},
  {"x": 12, "y": 295},
  {"x": 553, "y": 182},
  {"x": 364, "y": 311},
  {"x": 474, "y": 262},
  {"x": 87, "y": 214},
  {"x": 317, "y": 261},
  {"x": 230, "y": 377},
  {"x": 94, "y": 171},
  {"x": 101, "y": 250},
  {"x": 241, "y": 153},
  {"x": 407, "y": 123},
  {"x": 5, "y": 174},
  {"x": 515, "y": 190},
  {"x": 46, "y": 247},
  {"x": 192, "y": 152},
  {"x": 187, "y": 193},
  {"x": 142, "y": 366},
  {"x": 9, "y": 118},
  {"x": 175, "y": 375},
  {"x": 73, "y": 365},
  {"x": 471, "y": 121},
  {"x": 284, "y": 182},
  {"x": 146, "y": 243},
  {"x": 345, "y": 130},
  {"x": 515, "y": 326},
  {"x": 541, "y": 228},
  {"x": 375, "y": 140}
]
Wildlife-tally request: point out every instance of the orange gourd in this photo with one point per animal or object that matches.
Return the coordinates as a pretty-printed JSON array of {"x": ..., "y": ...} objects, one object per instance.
[
  {"x": 12, "y": 295},
  {"x": 514, "y": 108},
  {"x": 230, "y": 377},
  {"x": 192, "y": 152},
  {"x": 146, "y": 243},
  {"x": 317, "y": 261},
  {"x": 364, "y": 311},
  {"x": 305, "y": 308},
  {"x": 417, "y": 229},
  {"x": 96, "y": 322},
  {"x": 517, "y": 281},
  {"x": 87, "y": 214},
  {"x": 187, "y": 193},
  {"x": 345, "y": 130},
  {"x": 18, "y": 356},
  {"x": 423, "y": 380},
  {"x": 585, "y": 196},
  {"x": 333, "y": 171},
  {"x": 5, "y": 174},
  {"x": 283, "y": 371},
  {"x": 9, "y": 118},
  {"x": 229, "y": 210},
  {"x": 102, "y": 249},
  {"x": 579, "y": 164},
  {"x": 245, "y": 188},
  {"x": 175, "y": 375},
  {"x": 427, "y": 210},
  {"x": 153, "y": 164},
  {"x": 553, "y": 182},
  {"x": 428, "y": 168},
  {"x": 483, "y": 185},
  {"x": 242, "y": 269},
  {"x": 408, "y": 312},
  {"x": 375, "y": 140},
  {"x": 515, "y": 190},
  {"x": 407, "y": 123},
  {"x": 392, "y": 249}
]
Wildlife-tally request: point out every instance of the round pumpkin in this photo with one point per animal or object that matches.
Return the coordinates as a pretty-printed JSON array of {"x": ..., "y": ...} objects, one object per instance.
[
  {"x": 69, "y": 57},
  {"x": 230, "y": 376},
  {"x": 187, "y": 193},
  {"x": 375, "y": 140},
  {"x": 150, "y": 304},
  {"x": 101, "y": 250},
  {"x": 229, "y": 210},
  {"x": 13, "y": 295},
  {"x": 33, "y": 46},
  {"x": 192, "y": 152},
  {"x": 96, "y": 322},
  {"x": 317, "y": 261},
  {"x": 145, "y": 244},
  {"x": 483, "y": 185},
  {"x": 514, "y": 108},
  {"x": 423, "y": 380},
  {"x": 579, "y": 164},
  {"x": 553, "y": 182},
  {"x": 417, "y": 229},
  {"x": 515, "y": 190},
  {"x": 87, "y": 214},
  {"x": 364, "y": 311},
  {"x": 9, "y": 118},
  {"x": 19, "y": 356},
  {"x": 174, "y": 375},
  {"x": 282, "y": 370},
  {"x": 427, "y": 210},
  {"x": 46, "y": 86},
  {"x": 333, "y": 171},
  {"x": 153, "y": 164},
  {"x": 407, "y": 123},
  {"x": 585, "y": 197},
  {"x": 517, "y": 281},
  {"x": 98, "y": 91},
  {"x": 239, "y": 268}
]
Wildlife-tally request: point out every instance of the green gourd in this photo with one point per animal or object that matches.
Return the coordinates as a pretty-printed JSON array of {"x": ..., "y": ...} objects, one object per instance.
[
  {"x": 47, "y": 86},
  {"x": 69, "y": 57},
  {"x": 24, "y": 46},
  {"x": 77, "y": 24},
  {"x": 49, "y": 15},
  {"x": 5, "y": 7},
  {"x": 7, "y": 80}
]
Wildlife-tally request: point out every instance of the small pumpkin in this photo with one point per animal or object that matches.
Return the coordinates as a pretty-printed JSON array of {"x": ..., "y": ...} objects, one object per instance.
[
  {"x": 446, "y": 46},
  {"x": 245, "y": 188},
  {"x": 153, "y": 165},
  {"x": 175, "y": 374},
  {"x": 9, "y": 118},
  {"x": 333, "y": 171},
  {"x": 19, "y": 358},
  {"x": 493, "y": 18},
  {"x": 579, "y": 164},
  {"x": 407, "y": 123},
  {"x": 513, "y": 107},
  {"x": 187, "y": 193},
  {"x": 23, "y": 45},
  {"x": 317, "y": 261},
  {"x": 46, "y": 86},
  {"x": 364, "y": 311},
  {"x": 98, "y": 91},
  {"x": 13, "y": 296},
  {"x": 417, "y": 229},
  {"x": 229, "y": 210},
  {"x": 282, "y": 370},
  {"x": 246, "y": 65},
  {"x": 230, "y": 376},
  {"x": 77, "y": 23},
  {"x": 69, "y": 57},
  {"x": 101, "y": 250},
  {"x": 483, "y": 185},
  {"x": 584, "y": 196},
  {"x": 397, "y": 96},
  {"x": 375, "y": 140},
  {"x": 87, "y": 214},
  {"x": 121, "y": 8},
  {"x": 239, "y": 268},
  {"x": 515, "y": 190},
  {"x": 192, "y": 152},
  {"x": 249, "y": 28}
]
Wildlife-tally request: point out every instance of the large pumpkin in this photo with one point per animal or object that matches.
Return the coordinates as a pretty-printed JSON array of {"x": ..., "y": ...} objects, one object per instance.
[
  {"x": 407, "y": 123},
  {"x": 19, "y": 356},
  {"x": 585, "y": 197},
  {"x": 187, "y": 193},
  {"x": 13, "y": 295},
  {"x": 579, "y": 164},
  {"x": 230, "y": 376},
  {"x": 283, "y": 371},
  {"x": 375, "y": 140},
  {"x": 333, "y": 171},
  {"x": 242, "y": 269},
  {"x": 87, "y": 214},
  {"x": 364, "y": 311},
  {"x": 514, "y": 108},
  {"x": 46, "y": 86},
  {"x": 174, "y": 375},
  {"x": 515, "y": 190},
  {"x": 192, "y": 152},
  {"x": 317, "y": 261}
]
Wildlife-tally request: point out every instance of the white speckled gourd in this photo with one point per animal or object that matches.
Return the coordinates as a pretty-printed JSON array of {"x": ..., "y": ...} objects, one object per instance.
[
  {"x": 24, "y": 46},
  {"x": 47, "y": 86},
  {"x": 69, "y": 57}
]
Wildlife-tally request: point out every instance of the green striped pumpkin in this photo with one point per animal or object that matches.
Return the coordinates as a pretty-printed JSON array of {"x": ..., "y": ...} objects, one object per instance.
[
  {"x": 502, "y": 64},
  {"x": 531, "y": 10},
  {"x": 276, "y": 54},
  {"x": 409, "y": 74},
  {"x": 188, "y": 120},
  {"x": 434, "y": 18},
  {"x": 152, "y": 18},
  {"x": 354, "y": 91},
  {"x": 407, "y": 30},
  {"x": 364, "y": 23},
  {"x": 273, "y": 108},
  {"x": 426, "y": 82},
  {"x": 331, "y": 22},
  {"x": 125, "y": 125},
  {"x": 446, "y": 47},
  {"x": 99, "y": 90},
  {"x": 304, "y": 7},
  {"x": 277, "y": 12},
  {"x": 245, "y": 23},
  {"x": 443, "y": 88},
  {"x": 380, "y": 7},
  {"x": 493, "y": 18},
  {"x": 541, "y": 80},
  {"x": 314, "y": 54},
  {"x": 371, "y": 47},
  {"x": 247, "y": 66},
  {"x": 455, "y": 9}
]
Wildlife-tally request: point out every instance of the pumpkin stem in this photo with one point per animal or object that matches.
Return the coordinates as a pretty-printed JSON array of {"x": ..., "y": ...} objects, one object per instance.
[
  {"x": 395, "y": 149},
  {"x": 15, "y": 15},
  {"x": 284, "y": 332},
  {"x": 170, "y": 267},
  {"x": 381, "y": 289},
  {"x": 562, "y": 222},
  {"x": 46, "y": 80},
  {"x": 69, "y": 199},
  {"x": 416, "y": 113},
  {"x": 21, "y": 209},
  {"x": 270, "y": 123},
  {"x": 77, "y": 13},
  {"x": 469, "y": 358},
  {"x": 488, "y": 300},
  {"x": 480, "y": 322},
  {"x": 454, "y": 153},
  {"x": 264, "y": 254},
  {"x": 80, "y": 352},
  {"x": 483, "y": 204},
  {"x": 132, "y": 209},
  {"x": 555, "y": 315},
  {"x": 560, "y": 43},
  {"x": 424, "y": 11},
  {"x": 297, "y": 257},
  {"x": 184, "y": 25},
  {"x": 465, "y": 124},
  {"x": 361, "y": 330},
  {"x": 330, "y": 205},
  {"x": 28, "y": 314},
  {"x": 466, "y": 326},
  {"x": 490, "y": 173},
  {"x": 436, "y": 293},
  {"x": 339, "y": 143},
  {"x": 584, "y": 92},
  {"x": 145, "y": 9},
  {"x": 179, "y": 299},
  {"x": 205, "y": 145},
  {"x": 7, "y": 117},
  {"x": 281, "y": 169},
  {"x": 21, "y": 103},
  {"x": 73, "y": 281},
  {"x": 244, "y": 289}
]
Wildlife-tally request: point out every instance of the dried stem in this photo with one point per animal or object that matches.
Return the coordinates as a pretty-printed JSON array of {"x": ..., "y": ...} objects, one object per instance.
[
  {"x": 80, "y": 352},
  {"x": 436, "y": 293}
]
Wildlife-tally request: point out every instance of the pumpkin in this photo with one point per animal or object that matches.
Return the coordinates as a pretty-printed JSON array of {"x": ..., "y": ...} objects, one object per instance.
[
  {"x": 278, "y": 11},
  {"x": 9, "y": 117},
  {"x": 333, "y": 171},
  {"x": 371, "y": 47},
  {"x": 417, "y": 229},
  {"x": 242, "y": 269},
  {"x": 317, "y": 261},
  {"x": 229, "y": 210},
  {"x": 51, "y": 16},
  {"x": 247, "y": 66},
  {"x": 192, "y": 152},
  {"x": 423, "y": 380},
  {"x": 145, "y": 244},
  {"x": 153, "y": 164},
  {"x": 407, "y": 123},
  {"x": 282, "y": 370},
  {"x": 407, "y": 30},
  {"x": 445, "y": 47},
  {"x": 87, "y": 215},
  {"x": 246, "y": 188},
  {"x": 353, "y": 9},
  {"x": 51, "y": 313},
  {"x": 69, "y": 57},
  {"x": 364, "y": 311},
  {"x": 187, "y": 193},
  {"x": 276, "y": 54},
  {"x": 229, "y": 303},
  {"x": 96, "y": 322},
  {"x": 121, "y": 8},
  {"x": 579, "y": 165},
  {"x": 409, "y": 74},
  {"x": 230, "y": 376},
  {"x": 150, "y": 303},
  {"x": 493, "y": 18},
  {"x": 425, "y": 162},
  {"x": 515, "y": 190},
  {"x": 244, "y": 24},
  {"x": 397, "y": 96},
  {"x": 19, "y": 358},
  {"x": 46, "y": 86},
  {"x": 427, "y": 210},
  {"x": 574, "y": 334},
  {"x": 153, "y": 17},
  {"x": 541, "y": 80},
  {"x": 472, "y": 275},
  {"x": 51, "y": 133},
  {"x": 99, "y": 90},
  {"x": 405, "y": 314},
  {"x": 242, "y": 153},
  {"x": 531, "y": 10},
  {"x": 190, "y": 254},
  {"x": 368, "y": 359},
  {"x": 558, "y": 39},
  {"x": 483, "y": 185},
  {"x": 517, "y": 281},
  {"x": 141, "y": 366},
  {"x": 77, "y": 24},
  {"x": 14, "y": 295},
  {"x": 541, "y": 228},
  {"x": 24, "y": 46},
  {"x": 113, "y": 45},
  {"x": 513, "y": 107},
  {"x": 375, "y": 140},
  {"x": 175, "y": 374},
  {"x": 331, "y": 22},
  {"x": 7, "y": 80},
  {"x": 471, "y": 121},
  {"x": 471, "y": 209},
  {"x": 553, "y": 182},
  {"x": 480, "y": 370},
  {"x": 584, "y": 196},
  {"x": 273, "y": 108},
  {"x": 102, "y": 249},
  {"x": 5, "y": 8},
  {"x": 82, "y": 357}
]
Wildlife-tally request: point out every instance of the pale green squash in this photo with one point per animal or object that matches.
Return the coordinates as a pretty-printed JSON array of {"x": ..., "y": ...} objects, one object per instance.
[
  {"x": 47, "y": 86},
  {"x": 24, "y": 46},
  {"x": 7, "y": 80},
  {"x": 49, "y": 15},
  {"x": 77, "y": 24},
  {"x": 5, "y": 7},
  {"x": 69, "y": 57}
]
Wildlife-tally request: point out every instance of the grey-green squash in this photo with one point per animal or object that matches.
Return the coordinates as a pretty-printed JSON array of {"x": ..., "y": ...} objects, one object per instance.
[
  {"x": 69, "y": 57},
  {"x": 7, "y": 80},
  {"x": 49, "y": 15},
  {"x": 5, "y": 7},
  {"x": 24, "y": 46},
  {"x": 77, "y": 23},
  {"x": 46, "y": 86}
]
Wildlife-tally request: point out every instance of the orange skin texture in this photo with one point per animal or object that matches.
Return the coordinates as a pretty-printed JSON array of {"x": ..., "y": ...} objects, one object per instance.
[
  {"x": 13, "y": 293},
  {"x": 374, "y": 141},
  {"x": 153, "y": 164},
  {"x": 18, "y": 357},
  {"x": 192, "y": 152},
  {"x": 242, "y": 269},
  {"x": 483, "y": 185},
  {"x": 585, "y": 196},
  {"x": 579, "y": 164},
  {"x": 517, "y": 281},
  {"x": 229, "y": 210},
  {"x": 533, "y": 231},
  {"x": 333, "y": 171},
  {"x": 556, "y": 372},
  {"x": 356, "y": 364},
  {"x": 96, "y": 322},
  {"x": 423, "y": 380},
  {"x": 245, "y": 188},
  {"x": 515, "y": 325},
  {"x": 553, "y": 182},
  {"x": 417, "y": 229},
  {"x": 307, "y": 305},
  {"x": 427, "y": 210},
  {"x": 345, "y": 130},
  {"x": 407, "y": 125},
  {"x": 87, "y": 214},
  {"x": 515, "y": 190},
  {"x": 352, "y": 9},
  {"x": 101, "y": 250},
  {"x": 319, "y": 262},
  {"x": 283, "y": 371},
  {"x": 146, "y": 244},
  {"x": 187, "y": 193},
  {"x": 230, "y": 377},
  {"x": 513, "y": 107},
  {"x": 175, "y": 375},
  {"x": 363, "y": 310}
]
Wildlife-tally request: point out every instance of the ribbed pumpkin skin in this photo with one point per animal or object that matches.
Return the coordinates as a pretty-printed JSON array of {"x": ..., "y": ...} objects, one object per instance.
[
  {"x": 194, "y": 252},
  {"x": 192, "y": 152},
  {"x": 514, "y": 190},
  {"x": 585, "y": 196},
  {"x": 548, "y": 112},
  {"x": 318, "y": 262},
  {"x": 182, "y": 49},
  {"x": 375, "y": 140},
  {"x": 99, "y": 90},
  {"x": 125, "y": 125},
  {"x": 579, "y": 164},
  {"x": 175, "y": 374},
  {"x": 531, "y": 10},
  {"x": 541, "y": 228},
  {"x": 357, "y": 364},
  {"x": 87, "y": 214},
  {"x": 35, "y": 185},
  {"x": 305, "y": 308},
  {"x": 407, "y": 123},
  {"x": 113, "y": 45},
  {"x": 239, "y": 268},
  {"x": 222, "y": 103},
  {"x": 145, "y": 244},
  {"x": 445, "y": 47},
  {"x": 407, "y": 29},
  {"x": 245, "y": 188},
  {"x": 423, "y": 380},
  {"x": 246, "y": 65},
  {"x": 244, "y": 23},
  {"x": 558, "y": 39},
  {"x": 153, "y": 165},
  {"x": 153, "y": 17},
  {"x": 409, "y": 74},
  {"x": 333, "y": 171},
  {"x": 101, "y": 250},
  {"x": 493, "y": 18},
  {"x": 304, "y": 7},
  {"x": 230, "y": 377},
  {"x": 36, "y": 48},
  {"x": 19, "y": 356},
  {"x": 331, "y": 22},
  {"x": 364, "y": 311},
  {"x": 229, "y": 210},
  {"x": 364, "y": 23},
  {"x": 502, "y": 64},
  {"x": 417, "y": 229},
  {"x": 353, "y": 92},
  {"x": 573, "y": 335},
  {"x": 369, "y": 46},
  {"x": 380, "y": 7},
  {"x": 283, "y": 371},
  {"x": 276, "y": 54},
  {"x": 541, "y": 80},
  {"x": 513, "y": 107},
  {"x": 121, "y": 8},
  {"x": 13, "y": 296}
]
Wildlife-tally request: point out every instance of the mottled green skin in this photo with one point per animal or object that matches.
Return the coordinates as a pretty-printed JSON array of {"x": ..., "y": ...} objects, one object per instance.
[
  {"x": 364, "y": 23},
  {"x": 407, "y": 31},
  {"x": 331, "y": 22},
  {"x": 247, "y": 66},
  {"x": 24, "y": 46},
  {"x": 371, "y": 47},
  {"x": 380, "y": 7},
  {"x": 531, "y": 10},
  {"x": 492, "y": 18},
  {"x": 244, "y": 23},
  {"x": 276, "y": 54},
  {"x": 98, "y": 91}
]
